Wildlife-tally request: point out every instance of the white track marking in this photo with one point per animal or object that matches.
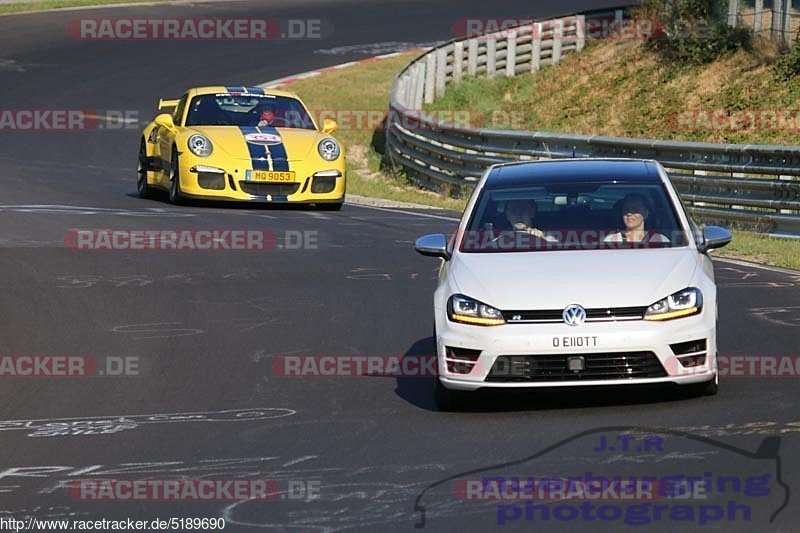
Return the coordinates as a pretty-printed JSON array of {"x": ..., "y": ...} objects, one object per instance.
[
  {"x": 758, "y": 266},
  {"x": 412, "y": 213}
]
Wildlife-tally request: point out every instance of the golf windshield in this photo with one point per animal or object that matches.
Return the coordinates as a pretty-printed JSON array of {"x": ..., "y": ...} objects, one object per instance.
[{"x": 573, "y": 216}]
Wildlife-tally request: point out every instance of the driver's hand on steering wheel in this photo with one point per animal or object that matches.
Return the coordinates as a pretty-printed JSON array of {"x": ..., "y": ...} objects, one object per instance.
[{"x": 520, "y": 226}]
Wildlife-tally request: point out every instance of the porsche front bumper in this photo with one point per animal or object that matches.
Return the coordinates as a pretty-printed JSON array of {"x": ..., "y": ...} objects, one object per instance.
[{"x": 202, "y": 180}]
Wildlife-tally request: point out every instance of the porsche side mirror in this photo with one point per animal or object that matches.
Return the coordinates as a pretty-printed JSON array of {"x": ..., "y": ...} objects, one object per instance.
[
  {"x": 165, "y": 121},
  {"x": 329, "y": 126}
]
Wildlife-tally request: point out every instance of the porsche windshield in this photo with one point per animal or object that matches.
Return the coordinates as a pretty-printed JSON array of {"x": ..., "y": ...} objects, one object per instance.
[
  {"x": 248, "y": 110},
  {"x": 573, "y": 216}
]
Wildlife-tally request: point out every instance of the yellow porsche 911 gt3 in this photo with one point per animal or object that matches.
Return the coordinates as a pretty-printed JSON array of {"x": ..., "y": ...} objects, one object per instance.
[{"x": 243, "y": 144}]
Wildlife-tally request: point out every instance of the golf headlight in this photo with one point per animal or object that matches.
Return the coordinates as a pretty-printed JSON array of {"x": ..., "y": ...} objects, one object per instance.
[
  {"x": 200, "y": 145},
  {"x": 464, "y": 309},
  {"x": 683, "y": 303},
  {"x": 328, "y": 149}
]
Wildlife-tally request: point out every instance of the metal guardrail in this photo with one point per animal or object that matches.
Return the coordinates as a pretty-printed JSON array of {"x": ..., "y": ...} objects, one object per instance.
[{"x": 756, "y": 186}]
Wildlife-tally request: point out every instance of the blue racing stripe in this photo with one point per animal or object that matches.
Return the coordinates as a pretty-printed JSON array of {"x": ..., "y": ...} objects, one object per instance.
[
  {"x": 255, "y": 90},
  {"x": 235, "y": 89},
  {"x": 258, "y": 153},
  {"x": 280, "y": 161}
]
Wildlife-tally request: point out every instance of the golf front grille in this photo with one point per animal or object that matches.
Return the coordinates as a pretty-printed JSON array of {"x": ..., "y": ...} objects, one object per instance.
[{"x": 557, "y": 367}]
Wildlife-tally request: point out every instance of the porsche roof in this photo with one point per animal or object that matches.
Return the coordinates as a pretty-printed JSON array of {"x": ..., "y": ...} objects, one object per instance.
[{"x": 215, "y": 89}]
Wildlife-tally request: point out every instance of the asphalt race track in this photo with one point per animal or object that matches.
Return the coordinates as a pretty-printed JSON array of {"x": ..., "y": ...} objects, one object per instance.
[{"x": 205, "y": 328}]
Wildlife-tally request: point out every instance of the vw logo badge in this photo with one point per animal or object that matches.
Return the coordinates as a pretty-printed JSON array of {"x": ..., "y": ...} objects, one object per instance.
[{"x": 574, "y": 315}]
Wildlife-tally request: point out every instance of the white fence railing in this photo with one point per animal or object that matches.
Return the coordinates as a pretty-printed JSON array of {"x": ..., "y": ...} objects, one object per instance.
[
  {"x": 776, "y": 19},
  {"x": 510, "y": 52},
  {"x": 758, "y": 186}
]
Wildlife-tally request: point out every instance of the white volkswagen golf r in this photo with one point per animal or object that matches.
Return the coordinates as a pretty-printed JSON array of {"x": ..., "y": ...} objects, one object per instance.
[{"x": 574, "y": 273}]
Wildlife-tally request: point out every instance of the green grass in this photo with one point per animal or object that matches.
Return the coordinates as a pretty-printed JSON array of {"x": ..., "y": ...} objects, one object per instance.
[
  {"x": 621, "y": 89},
  {"x": 56, "y": 4},
  {"x": 760, "y": 249}
]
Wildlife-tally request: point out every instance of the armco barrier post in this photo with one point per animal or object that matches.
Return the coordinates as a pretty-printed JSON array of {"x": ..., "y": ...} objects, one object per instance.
[
  {"x": 472, "y": 58},
  {"x": 491, "y": 57},
  {"x": 441, "y": 69},
  {"x": 430, "y": 81},
  {"x": 536, "y": 47},
  {"x": 580, "y": 32},
  {"x": 511, "y": 56},
  {"x": 458, "y": 60}
]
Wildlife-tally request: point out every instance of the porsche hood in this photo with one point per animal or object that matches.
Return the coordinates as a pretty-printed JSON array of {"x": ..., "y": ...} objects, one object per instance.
[{"x": 280, "y": 145}]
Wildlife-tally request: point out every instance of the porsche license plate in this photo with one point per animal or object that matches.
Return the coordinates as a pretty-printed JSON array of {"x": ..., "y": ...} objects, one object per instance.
[{"x": 268, "y": 175}]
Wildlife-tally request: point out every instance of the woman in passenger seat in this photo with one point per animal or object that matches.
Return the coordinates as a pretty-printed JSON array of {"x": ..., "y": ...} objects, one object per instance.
[{"x": 634, "y": 213}]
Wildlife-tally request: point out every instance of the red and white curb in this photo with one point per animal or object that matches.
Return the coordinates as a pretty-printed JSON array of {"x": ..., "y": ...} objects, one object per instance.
[
  {"x": 363, "y": 201},
  {"x": 288, "y": 80}
]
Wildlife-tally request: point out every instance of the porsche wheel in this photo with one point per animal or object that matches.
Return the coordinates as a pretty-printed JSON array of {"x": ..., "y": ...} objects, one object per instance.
[
  {"x": 175, "y": 195},
  {"x": 141, "y": 174}
]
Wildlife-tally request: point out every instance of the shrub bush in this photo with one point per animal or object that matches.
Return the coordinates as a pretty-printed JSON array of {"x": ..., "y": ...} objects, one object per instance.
[
  {"x": 787, "y": 65},
  {"x": 694, "y": 31}
]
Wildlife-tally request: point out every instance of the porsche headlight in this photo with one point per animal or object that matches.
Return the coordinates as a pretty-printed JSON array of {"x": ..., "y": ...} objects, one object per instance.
[
  {"x": 328, "y": 149},
  {"x": 200, "y": 145},
  {"x": 683, "y": 303},
  {"x": 467, "y": 310}
]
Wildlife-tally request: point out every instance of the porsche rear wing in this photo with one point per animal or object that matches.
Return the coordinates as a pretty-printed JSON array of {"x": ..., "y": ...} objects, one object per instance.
[{"x": 162, "y": 104}]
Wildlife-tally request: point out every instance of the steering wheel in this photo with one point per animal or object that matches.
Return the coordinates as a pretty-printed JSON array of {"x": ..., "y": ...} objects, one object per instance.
[
  {"x": 274, "y": 120},
  {"x": 535, "y": 239}
]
